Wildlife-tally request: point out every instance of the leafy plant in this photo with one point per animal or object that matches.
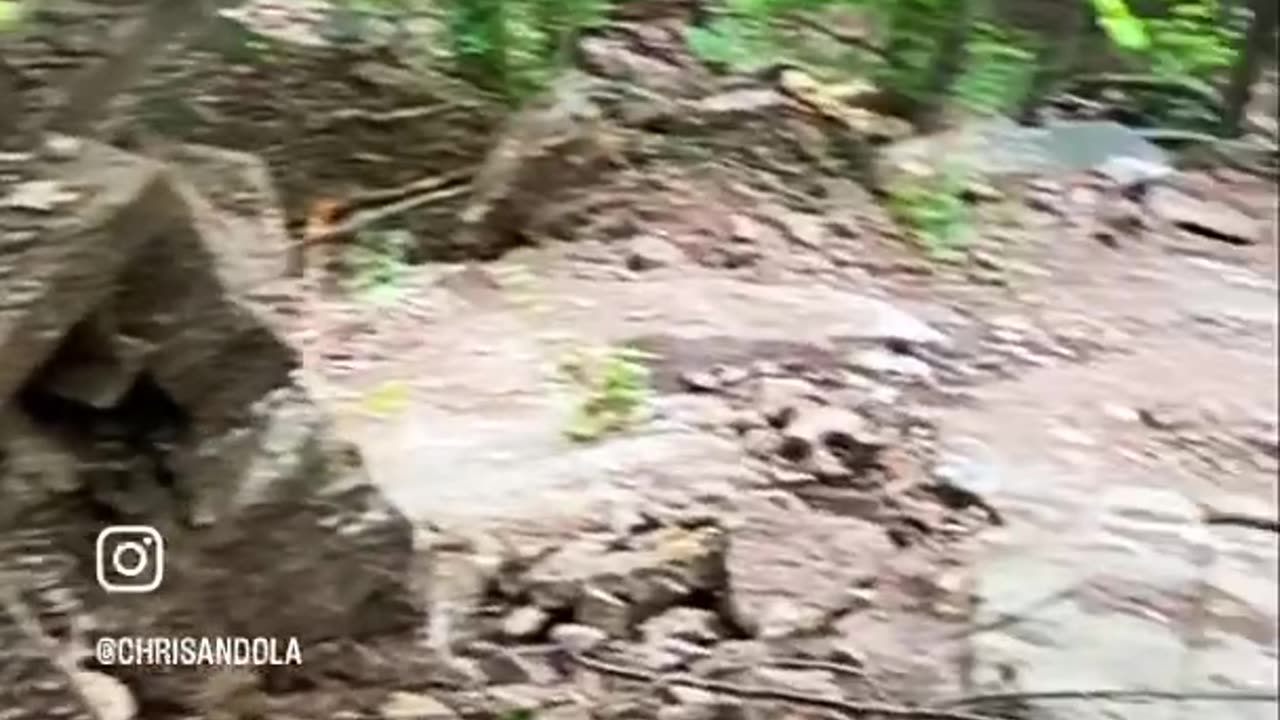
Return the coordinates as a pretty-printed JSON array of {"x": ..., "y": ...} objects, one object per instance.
[
  {"x": 515, "y": 47},
  {"x": 1125, "y": 29},
  {"x": 616, "y": 387},
  {"x": 1192, "y": 42},
  {"x": 11, "y": 14},
  {"x": 745, "y": 35},
  {"x": 376, "y": 263},
  {"x": 1186, "y": 53},
  {"x": 931, "y": 204},
  {"x": 998, "y": 73}
]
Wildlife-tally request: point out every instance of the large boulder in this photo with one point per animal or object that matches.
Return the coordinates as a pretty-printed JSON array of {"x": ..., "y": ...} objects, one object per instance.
[{"x": 144, "y": 379}]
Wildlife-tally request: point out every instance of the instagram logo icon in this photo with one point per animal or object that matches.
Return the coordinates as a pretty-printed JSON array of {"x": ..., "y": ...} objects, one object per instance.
[{"x": 129, "y": 559}]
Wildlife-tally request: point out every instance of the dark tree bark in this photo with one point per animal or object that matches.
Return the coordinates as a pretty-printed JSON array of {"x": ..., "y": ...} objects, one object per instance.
[
  {"x": 10, "y": 102},
  {"x": 1057, "y": 56},
  {"x": 948, "y": 63},
  {"x": 1258, "y": 45}
]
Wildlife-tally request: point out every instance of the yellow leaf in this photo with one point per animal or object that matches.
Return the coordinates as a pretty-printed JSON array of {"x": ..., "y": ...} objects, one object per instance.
[{"x": 388, "y": 398}]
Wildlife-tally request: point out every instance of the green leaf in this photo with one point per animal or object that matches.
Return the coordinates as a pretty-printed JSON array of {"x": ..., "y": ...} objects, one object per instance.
[
  {"x": 10, "y": 14},
  {"x": 1125, "y": 29},
  {"x": 1128, "y": 33}
]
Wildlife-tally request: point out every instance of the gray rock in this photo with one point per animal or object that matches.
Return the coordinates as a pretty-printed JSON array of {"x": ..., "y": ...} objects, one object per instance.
[
  {"x": 271, "y": 526},
  {"x": 649, "y": 252},
  {"x": 578, "y": 638},
  {"x": 692, "y": 625},
  {"x": 604, "y": 611},
  {"x": 805, "y": 230},
  {"x": 289, "y": 485},
  {"x": 1129, "y": 172},
  {"x": 51, "y": 281},
  {"x": 790, "y": 570},
  {"x": 525, "y": 622},
  {"x": 414, "y": 706}
]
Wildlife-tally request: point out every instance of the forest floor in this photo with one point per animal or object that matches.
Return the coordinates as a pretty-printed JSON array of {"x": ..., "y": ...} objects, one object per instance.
[
  {"x": 863, "y": 477},
  {"x": 1098, "y": 394}
]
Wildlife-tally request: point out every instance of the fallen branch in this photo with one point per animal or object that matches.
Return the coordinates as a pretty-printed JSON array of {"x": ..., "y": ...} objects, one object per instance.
[
  {"x": 1254, "y": 522},
  {"x": 753, "y": 692},
  {"x": 1121, "y": 695},
  {"x": 373, "y": 216},
  {"x": 421, "y": 185}
]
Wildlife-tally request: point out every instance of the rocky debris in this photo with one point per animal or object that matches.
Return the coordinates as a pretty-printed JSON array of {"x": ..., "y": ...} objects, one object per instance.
[
  {"x": 525, "y": 623},
  {"x": 686, "y": 624},
  {"x": 649, "y": 252},
  {"x": 775, "y": 552},
  {"x": 144, "y": 379},
  {"x": 615, "y": 589},
  {"x": 415, "y": 706}
]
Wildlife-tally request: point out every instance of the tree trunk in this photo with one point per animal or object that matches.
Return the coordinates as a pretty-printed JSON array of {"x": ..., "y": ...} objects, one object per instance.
[
  {"x": 10, "y": 102},
  {"x": 947, "y": 65},
  {"x": 1258, "y": 45},
  {"x": 1057, "y": 57}
]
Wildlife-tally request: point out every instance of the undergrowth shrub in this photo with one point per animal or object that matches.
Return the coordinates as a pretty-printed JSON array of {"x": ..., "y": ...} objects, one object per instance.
[
  {"x": 516, "y": 47},
  {"x": 614, "y": 384},
  {"x": 998, "y": 73},
  {"x": 931, "y": 205}
]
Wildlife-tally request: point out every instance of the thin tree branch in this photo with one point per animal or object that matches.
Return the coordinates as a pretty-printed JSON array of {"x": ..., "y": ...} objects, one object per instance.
[{"x": 1253, "y": 522}]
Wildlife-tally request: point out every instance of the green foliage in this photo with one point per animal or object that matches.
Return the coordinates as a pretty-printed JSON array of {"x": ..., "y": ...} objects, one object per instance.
[
  {"x": 1186, "y": 51},
  {"x": 998, "y": 73},
  {"x": 1192, "y": 42},
  {"x": 515, "y": 47},
  {"x": 915, "y": 29},
  {"x": 376, "y": 263},
  {"x": 745, "y": 35},
  {"x": 616, "y": 389},
  {"x": 1125, "y": 29},
  {"x": 931, "y": 205},
  {"x": 11, "y": 14}
]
